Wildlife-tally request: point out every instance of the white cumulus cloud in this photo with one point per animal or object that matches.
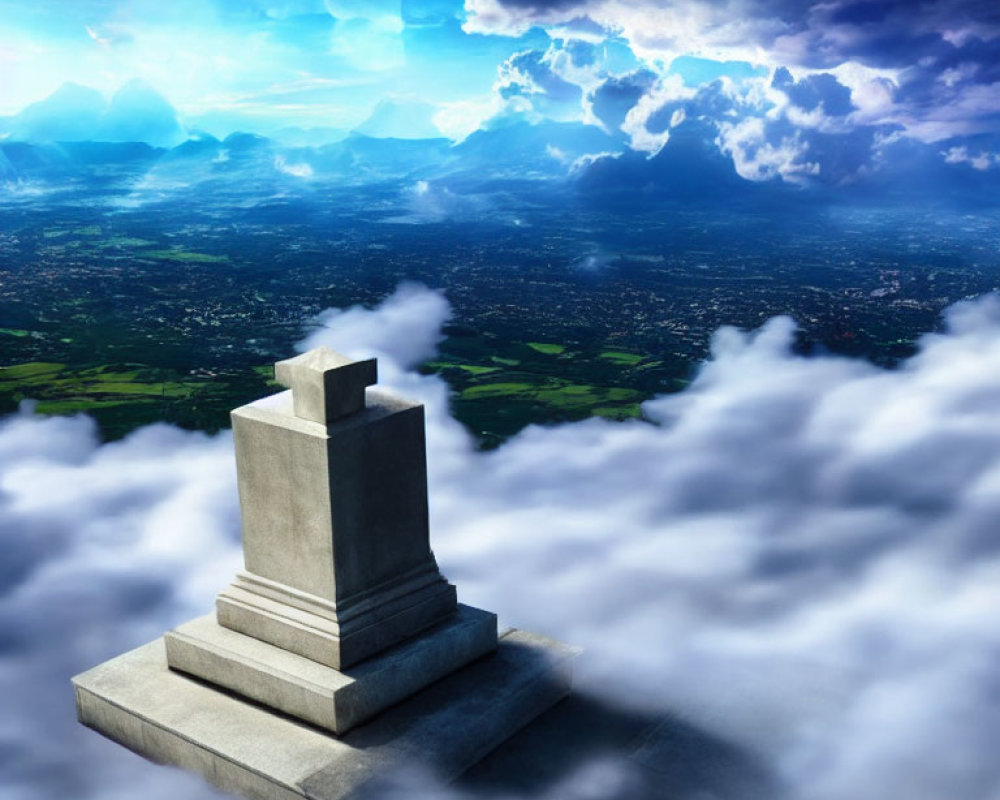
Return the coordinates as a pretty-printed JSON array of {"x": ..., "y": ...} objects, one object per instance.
[{"x": 799, "y": 556}]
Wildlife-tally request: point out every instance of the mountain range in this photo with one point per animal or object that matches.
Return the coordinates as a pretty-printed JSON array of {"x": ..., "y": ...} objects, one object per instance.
[{"x": 76, "y": 137}]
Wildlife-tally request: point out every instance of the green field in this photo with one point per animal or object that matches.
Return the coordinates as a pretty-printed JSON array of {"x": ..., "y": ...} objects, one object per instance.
[
  {"x": 471, "y": 369},
  {"x": 557, "y": 394},
  {"x": 622, "y": 358},
  {"x": 498, "y": 388},
  {"x": 124, "y": 396},
  {"x": 126, "y": 242},
  {"x": 182, "y": 256},
  {"x": 547, "y": 348}
]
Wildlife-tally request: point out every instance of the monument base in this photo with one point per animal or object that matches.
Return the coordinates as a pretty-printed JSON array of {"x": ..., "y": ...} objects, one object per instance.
[
  {"x": 332, "y": 699},
  {"x": 242, "y": 747},
  {"x": 336, "y": 636}
]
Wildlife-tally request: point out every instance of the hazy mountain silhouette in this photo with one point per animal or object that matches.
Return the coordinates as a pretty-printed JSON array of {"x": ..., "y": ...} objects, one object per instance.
[
  {"x": 689, "y": 169},
  {"x": 401, "y": 119},
  {"x": 519, "y": 148},
  {"x": 74, "y": 113},
  {"x": 71, "y": 113}
]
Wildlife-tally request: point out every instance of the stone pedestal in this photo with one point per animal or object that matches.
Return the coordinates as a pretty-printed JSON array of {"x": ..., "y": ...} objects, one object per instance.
[
  {"x": 333, "y": 497},
  {"x": 339, "y": 616},
  {"x": 333, "y": 699}
]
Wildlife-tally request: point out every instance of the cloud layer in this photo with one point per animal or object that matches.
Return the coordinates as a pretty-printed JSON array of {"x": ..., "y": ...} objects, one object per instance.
[
  {"x": 825, "y": 94},
  {"x": 799, "y": 555},
  {"x": 800, "y": 92}
]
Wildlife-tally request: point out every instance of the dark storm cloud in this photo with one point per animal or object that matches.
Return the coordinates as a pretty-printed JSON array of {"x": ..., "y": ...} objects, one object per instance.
[
  {"x": 614, "y": 98},
  {"x": 942, "y": 58},
  {"x": 800, "y": 133},
  {"x": 890, "y": 31},
  {"x": 815, "y": 91}
]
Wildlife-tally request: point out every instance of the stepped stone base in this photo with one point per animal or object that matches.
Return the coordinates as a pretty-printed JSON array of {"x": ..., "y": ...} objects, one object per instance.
[
  {"x": 336, "y": 636},
  {"x": 242, "y": 747},
  {"x": 332, "y": 699}
]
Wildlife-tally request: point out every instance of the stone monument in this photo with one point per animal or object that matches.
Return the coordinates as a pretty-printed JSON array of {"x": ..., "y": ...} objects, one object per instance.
[{"x": 340, "y": 650}]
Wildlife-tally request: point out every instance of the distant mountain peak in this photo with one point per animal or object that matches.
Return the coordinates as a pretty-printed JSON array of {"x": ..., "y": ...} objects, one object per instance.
[
  {"x": 401, "y": 118},
  {"x": 77, "y": 113}
]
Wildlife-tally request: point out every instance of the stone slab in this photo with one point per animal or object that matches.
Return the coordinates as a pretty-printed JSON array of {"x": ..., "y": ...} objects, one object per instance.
[
  {"x": 242, "y": 747},
  {"x": 326, "y": 385},
  {"x": 327, "y": 633},
  {"x": 332, "y": 699}
]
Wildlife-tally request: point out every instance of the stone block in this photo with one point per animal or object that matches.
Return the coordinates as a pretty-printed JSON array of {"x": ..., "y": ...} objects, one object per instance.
[
  {"x": 335, "y": 514},
  {"x": 327, "y": 385},
  {"x": 316, "y": 629},
  {"x": 244, "y": 748},
  {"x": 329, "y": 698}
]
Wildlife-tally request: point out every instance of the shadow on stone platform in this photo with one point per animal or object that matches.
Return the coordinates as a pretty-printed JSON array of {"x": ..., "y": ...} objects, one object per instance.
[{"x": 583, "y": 748}]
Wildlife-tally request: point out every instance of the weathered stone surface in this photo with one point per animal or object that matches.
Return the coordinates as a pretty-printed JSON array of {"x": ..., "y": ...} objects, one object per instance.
[
  {"x": 326, "y": 385},
  {"x": 241, "y": 747},
  {"x": 335, "y": 518},
  {"x": 311, "y": 627},
  {"x": 340, "y": 651},
  {"x": 319, "y": 694}
]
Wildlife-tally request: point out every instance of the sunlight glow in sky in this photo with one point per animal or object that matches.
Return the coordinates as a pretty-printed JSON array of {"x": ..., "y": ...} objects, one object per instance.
[
  {"x": 253, "y": 65},
  {"x": 928, "y": 70}
]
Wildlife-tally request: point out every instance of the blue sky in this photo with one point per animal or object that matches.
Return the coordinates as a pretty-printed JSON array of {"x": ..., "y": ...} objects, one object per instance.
[
  {"x": 777, "y": 81},
  {"x": 252, "y": 65}
]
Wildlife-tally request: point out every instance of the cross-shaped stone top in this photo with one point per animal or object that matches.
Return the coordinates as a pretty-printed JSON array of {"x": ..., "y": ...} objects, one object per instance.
[{"x": 326, "y": 386}]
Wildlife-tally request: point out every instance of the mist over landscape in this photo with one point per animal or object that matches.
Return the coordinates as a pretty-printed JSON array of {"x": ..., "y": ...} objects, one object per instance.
[{"x": 701, "y": 299}]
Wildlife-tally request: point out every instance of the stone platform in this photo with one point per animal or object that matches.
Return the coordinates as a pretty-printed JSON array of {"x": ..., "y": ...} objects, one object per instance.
[
  {"x": 244, "y": 748},
  {"x": 340, "y": 652},
  {"x": 332, "y": 699}
]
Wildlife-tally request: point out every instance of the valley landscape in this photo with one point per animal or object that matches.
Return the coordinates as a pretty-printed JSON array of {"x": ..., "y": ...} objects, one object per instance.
[
  {"x": 702, "y": 300},
  {"x": 156, "y": 300}
]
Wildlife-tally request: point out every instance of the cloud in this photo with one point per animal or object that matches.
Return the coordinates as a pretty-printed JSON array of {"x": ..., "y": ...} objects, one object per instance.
[
  {"x": 803, "y": 131},
  {"x": 759, "y": 154},
  {"x": 401, "y": 118},
  {"x": 819, "y": 35},
  {"x": 662, "y": 100},
  {"x": 367, "y": 35},
  {"x": 433, "y": 201},
  {"x": 532, "y": 78},
  {"x": 104, "y": 546},
  {"x": 615, "y": 97},
  {"x": 818, "y": 91},
  {"x": 564, "y": 80},
  {"x": 982, "y": 160},
  {"x": 301, "y": 169},
  {"x": 929, "y": 70},
  {"x": 405, "y": 330},
  {"x": 799, "y": 556}
]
